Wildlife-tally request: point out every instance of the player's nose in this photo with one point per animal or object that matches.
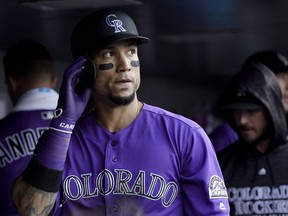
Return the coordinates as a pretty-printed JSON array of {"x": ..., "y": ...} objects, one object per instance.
[{"x": 123, "y": 63}]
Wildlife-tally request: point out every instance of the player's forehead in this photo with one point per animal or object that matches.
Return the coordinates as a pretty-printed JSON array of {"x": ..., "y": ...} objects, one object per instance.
[{"x": 118, "y": 44}]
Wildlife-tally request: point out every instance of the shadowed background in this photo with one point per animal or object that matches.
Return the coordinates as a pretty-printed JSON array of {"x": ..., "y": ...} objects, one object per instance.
[{"x": 196, "y": 45}]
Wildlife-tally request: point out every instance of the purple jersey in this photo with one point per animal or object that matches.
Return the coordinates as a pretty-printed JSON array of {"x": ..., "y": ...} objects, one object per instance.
[
  {"x": 18, "y": 137},
  {"x": 161, "y": 164},
  {"x": 19, "y": 134}
]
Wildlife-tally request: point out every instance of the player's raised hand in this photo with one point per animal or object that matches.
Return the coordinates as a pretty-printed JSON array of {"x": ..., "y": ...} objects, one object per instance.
[
  {"x": 72, "y": 101},
  {"x": 50, "y": 152}
]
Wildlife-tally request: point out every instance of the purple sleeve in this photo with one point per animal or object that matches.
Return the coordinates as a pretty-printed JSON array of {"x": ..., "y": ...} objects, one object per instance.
[
  {"x": 223, "y": 136},
  {"x": 204, "y": 191}
]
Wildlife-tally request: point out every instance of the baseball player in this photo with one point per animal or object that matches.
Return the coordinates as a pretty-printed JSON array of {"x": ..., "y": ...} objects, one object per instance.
[
  {"x": 30, "y": 80},
  {"x": 254, "y": 167},
  {"x": 224, "y": 135},
  {"x": 125, "y": 157}
]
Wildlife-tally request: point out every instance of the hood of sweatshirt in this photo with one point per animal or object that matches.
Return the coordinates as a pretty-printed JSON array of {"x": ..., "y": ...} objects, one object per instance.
[{"x": 253, "y": 87}]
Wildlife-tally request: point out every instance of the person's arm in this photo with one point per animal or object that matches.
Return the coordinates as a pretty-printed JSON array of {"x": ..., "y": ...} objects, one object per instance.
[
  {"x": 35, "y": 191},
  {"x": 204, "y": 191},
  {"x": 30, "y": 200}
]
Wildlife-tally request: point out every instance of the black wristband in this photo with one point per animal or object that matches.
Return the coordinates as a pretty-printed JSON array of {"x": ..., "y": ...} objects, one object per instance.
[{"x": 41, "y": 177}]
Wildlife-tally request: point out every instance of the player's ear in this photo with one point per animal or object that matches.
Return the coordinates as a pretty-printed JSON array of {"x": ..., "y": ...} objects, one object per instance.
[
  {"x": 11, "y": 82},
  {"x": 53, "y": 82},
  {"x": 12, "y": 88}
]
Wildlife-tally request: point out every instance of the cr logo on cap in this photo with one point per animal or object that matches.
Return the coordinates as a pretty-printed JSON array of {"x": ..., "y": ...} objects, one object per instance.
[{"x": 116, "y": 23}]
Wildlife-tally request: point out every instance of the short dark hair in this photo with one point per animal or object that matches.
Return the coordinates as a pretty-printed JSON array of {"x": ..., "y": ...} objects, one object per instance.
[{"x": 27, "y": 59}]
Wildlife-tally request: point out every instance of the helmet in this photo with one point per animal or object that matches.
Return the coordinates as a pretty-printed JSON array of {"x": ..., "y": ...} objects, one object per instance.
[{"x": 101, "y": 28}]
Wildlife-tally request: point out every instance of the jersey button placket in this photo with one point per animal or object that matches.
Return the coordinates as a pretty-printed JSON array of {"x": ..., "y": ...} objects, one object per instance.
[
  {"x": 114, "y": 144},
  {"x": 114, "y": 208},
  {"x": 112, "y": 159}
]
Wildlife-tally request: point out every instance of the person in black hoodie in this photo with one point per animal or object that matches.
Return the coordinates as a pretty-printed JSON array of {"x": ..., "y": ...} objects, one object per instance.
[
  {"x": 255, "y": 167},
  {"x": 223, "y": 135},
  {"x": 278, "y": 64}
]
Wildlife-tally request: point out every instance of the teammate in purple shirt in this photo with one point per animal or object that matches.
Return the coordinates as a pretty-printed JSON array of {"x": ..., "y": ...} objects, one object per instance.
[
  {"x": 30, "y": 81},
  {"x": 125, "y": 157}
]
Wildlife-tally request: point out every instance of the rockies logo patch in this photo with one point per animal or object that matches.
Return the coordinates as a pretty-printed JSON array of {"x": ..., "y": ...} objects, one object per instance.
[{"x": 217, "y": 188}]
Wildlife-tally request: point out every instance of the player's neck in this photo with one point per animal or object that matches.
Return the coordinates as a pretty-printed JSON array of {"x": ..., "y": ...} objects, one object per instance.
[
  {"x": 263, "y": 145},
  {"x": 116, "y": 118}
]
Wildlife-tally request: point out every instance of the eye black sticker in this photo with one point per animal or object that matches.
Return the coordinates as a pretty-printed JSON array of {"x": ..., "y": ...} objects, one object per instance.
[
  {"x": 110, "y": 65},
  {"x": 135, "y": 63},
  {"x": 106, "y": 66}
]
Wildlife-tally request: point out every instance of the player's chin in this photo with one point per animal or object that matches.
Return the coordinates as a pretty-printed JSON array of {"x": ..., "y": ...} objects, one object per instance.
[
  {"x": 123, "y": 92},
  {"x": 127, "y": 96},
  {"x": 249, "y": 137},
  {"x": 122, "y": 99}
]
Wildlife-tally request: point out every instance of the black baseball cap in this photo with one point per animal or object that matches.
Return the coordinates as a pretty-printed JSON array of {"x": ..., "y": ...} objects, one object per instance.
[
  {"x": 274, "y": 60},
  {"x": 241, "y": 100},
  {"x": 101, "y": 28}
]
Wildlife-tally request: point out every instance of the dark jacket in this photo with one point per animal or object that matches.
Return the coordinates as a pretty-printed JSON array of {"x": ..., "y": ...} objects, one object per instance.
[{"x": 257, "y": 182}]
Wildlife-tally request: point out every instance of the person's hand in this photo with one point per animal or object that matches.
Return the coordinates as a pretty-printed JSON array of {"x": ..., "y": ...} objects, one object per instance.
[{"x": 71, "y": 103}]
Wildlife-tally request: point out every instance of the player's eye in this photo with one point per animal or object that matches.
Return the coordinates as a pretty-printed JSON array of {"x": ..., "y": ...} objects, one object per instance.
[
  {"x": 107, "y": 54},
  {"x": 132, "y": 52}
]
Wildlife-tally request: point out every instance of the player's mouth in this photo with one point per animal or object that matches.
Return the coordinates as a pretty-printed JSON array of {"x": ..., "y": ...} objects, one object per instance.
[{"x": 122, "y": 81}]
